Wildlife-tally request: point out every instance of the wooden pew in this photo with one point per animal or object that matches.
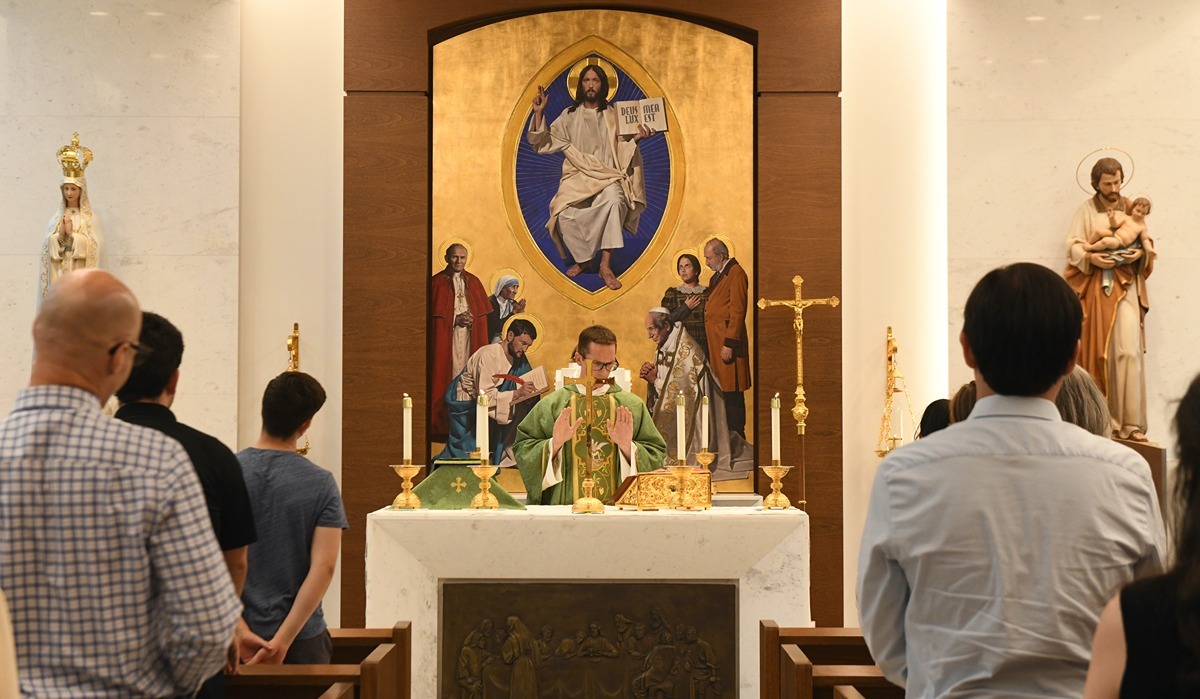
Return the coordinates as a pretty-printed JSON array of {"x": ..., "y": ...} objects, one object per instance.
[
  {"x": 802, "y": 679},
  {"x": 846, "y": 692},
  {"x": 353, "y": 645},
  {"x": 823, "y": 646},
  {"x": 376, "y": 677}
]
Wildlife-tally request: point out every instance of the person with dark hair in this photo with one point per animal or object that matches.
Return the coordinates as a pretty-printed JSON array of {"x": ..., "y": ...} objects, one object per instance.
[
  {"x": 113, "y": 576},
  {"x": 991, "y": 547},
  {"x": 1112, "y": 288},
  {"x": 602, "y": 190},
  {"x": 936, "y": 417},
  {"x": 1148, "y": 641},
  {"x": 458, "y": 327},
  {"x": 299, "y": 514},
  {"x": 550, "y": 442},
  {"x": 146, "y": 399},
  {"x": 495, "y": 371},
  {"x": 685, "y": 302}
]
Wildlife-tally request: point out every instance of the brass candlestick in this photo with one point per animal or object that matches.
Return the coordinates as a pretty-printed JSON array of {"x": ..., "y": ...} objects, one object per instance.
[
  {"x": 407, "y": 499},
  {"x": 776, "y": 500},
  {"x": 484, "y": 499}
]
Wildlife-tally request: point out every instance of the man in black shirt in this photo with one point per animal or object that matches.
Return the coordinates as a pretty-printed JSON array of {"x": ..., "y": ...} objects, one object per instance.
[{"x": 146, "y": 400}]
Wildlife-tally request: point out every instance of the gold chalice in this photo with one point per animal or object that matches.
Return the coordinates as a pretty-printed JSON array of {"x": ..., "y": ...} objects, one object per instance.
[{"x": 484, "y": 498}]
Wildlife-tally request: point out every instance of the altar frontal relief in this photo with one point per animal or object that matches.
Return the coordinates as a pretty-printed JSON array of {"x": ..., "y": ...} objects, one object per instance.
[
  {"x": 536, "y": 639},
  {"x": 572, "y": 217}
]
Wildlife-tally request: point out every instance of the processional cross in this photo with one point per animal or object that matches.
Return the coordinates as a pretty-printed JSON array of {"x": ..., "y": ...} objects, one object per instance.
[
  {"x": 800, "y": 409},
  {"x": 588, "y": 504}
]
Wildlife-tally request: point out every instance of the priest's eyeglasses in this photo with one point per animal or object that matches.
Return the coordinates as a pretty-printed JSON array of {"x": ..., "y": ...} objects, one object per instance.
[
  {"x": 611, "y": 366},
  {"x": 140, "y": 352}
]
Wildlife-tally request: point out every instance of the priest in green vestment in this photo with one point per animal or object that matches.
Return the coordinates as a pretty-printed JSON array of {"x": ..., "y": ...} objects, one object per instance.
[{"x": 551, "y": 443}]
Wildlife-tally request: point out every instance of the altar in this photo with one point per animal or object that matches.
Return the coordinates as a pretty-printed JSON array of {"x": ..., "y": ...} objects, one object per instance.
[{"x": 410, "y": 554}]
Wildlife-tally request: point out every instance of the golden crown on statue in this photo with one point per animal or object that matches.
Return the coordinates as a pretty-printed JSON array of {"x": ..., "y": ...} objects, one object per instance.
[{"x": 74, "y": 158}]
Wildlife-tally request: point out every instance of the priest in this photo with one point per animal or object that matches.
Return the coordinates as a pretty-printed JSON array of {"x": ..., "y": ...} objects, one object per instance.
[{"x": 551, "y": 443}]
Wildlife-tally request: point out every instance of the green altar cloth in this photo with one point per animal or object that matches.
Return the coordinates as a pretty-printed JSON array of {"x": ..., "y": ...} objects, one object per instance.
[{"x": 453, "y": 484}]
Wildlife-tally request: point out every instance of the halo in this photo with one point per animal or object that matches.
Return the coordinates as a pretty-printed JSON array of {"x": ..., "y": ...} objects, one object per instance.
[
  {"x": 491, "y": 287},
  {"x": 537, "y": 325},
  {"x": 1083, "y": 171},
  {"x": 609, "y": 70},
  {"x": 445, "y": 245},
  {"x": 721, "y": 237},
  {"x": 687, "y": 251}
]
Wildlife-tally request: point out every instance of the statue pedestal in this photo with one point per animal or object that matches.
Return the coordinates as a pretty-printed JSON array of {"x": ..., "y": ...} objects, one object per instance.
[{"x": 410, "y": 553}]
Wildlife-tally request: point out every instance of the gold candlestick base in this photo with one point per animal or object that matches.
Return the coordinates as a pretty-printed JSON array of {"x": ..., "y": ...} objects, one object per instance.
[
  {"x": 683, "y": 499},
  {"x": 589, "y": 504},
  {"x": 776, "y": 500},
  {"x": 406, "y": 500},
  {"x": 484, "y": 500}
]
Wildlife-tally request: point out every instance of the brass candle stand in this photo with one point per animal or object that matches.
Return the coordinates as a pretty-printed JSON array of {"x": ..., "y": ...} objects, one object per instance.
[
  {"x": 484, "y": 499},
  {"x": 776, "y": 500},
  {"x": 683, "y": 499},
  {"x": 407, "y": 499}
]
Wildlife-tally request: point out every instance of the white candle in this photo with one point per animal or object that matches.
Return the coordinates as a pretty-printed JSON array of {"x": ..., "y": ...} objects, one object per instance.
[
  {"x": 407, "y": 427},
  {"x": 481, "y": 425},
  {"x": 704, "y": 422},
  {"x": 775, "y": 428},
  {"x": 680, "y": 439}
]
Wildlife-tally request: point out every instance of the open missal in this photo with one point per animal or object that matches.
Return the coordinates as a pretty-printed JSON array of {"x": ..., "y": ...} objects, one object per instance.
[{"x": 652, "y": 112}]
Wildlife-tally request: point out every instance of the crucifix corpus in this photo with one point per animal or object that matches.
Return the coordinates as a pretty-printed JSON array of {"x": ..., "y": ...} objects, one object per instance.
[
  {"x": 798, "y": 304},
  {"x": 588, "y": 504}
]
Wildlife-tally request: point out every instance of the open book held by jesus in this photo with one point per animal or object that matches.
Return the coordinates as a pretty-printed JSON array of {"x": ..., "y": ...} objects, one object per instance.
[{"x": 650, "y": 112}]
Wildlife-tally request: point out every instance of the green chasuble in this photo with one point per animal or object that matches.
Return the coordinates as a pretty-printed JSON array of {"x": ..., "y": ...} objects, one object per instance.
[{"x": 536, "y": 430}]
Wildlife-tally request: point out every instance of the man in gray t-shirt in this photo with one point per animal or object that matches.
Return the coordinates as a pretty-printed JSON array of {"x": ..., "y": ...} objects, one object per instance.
[{"x": 299, "y": 515}]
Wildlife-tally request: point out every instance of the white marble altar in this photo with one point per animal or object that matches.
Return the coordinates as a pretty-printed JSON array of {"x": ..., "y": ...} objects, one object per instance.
[{"x": 408, "y": 553}]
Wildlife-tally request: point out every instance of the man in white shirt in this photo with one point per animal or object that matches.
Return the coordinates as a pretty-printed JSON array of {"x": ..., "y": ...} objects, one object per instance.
[{"x": 991, "y": 547}]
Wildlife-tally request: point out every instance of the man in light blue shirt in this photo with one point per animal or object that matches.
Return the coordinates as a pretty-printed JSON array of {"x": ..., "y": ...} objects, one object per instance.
[{"x": 991, "y": 547}]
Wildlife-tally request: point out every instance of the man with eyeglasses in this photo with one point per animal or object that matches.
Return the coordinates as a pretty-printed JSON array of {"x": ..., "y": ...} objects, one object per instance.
[
  {"x": 115, "y": 581},
  {"x": 551, "y": 443}
]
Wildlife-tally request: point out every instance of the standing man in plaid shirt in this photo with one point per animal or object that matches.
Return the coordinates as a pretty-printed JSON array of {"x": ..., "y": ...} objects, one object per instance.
[{"x": 113, "y": 575}]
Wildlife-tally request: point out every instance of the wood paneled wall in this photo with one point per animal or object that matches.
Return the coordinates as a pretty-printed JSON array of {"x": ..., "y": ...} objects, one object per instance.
[{"x": 386, "y": 231}]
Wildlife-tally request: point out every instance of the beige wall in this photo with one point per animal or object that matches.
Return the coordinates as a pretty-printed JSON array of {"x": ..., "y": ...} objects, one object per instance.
[
  {"x": 894, "y": 228},
  {"x": 291, "y": 213}
]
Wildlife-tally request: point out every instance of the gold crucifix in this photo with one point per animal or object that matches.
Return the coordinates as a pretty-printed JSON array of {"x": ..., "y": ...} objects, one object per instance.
[
  {"x": 800, "y": 409},
  {"x": 588, "y": 504}
]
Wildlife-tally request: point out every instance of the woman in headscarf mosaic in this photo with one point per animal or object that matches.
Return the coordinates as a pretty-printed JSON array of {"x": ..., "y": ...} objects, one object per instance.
[{"x": 504, "y": 304}]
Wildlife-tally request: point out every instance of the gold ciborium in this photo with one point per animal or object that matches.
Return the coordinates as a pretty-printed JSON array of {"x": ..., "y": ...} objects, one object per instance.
[
  {"x": 407, "y": 499},
  {"x": 776, "y": 500},
  {"x": 589, "y": 504},
  {"x": 484, "y": 498}
]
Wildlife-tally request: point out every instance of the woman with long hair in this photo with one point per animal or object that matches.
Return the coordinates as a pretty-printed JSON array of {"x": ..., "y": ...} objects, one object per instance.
[
  {"x": 1148, "y": 641},
  {"x": 686, "y": 301}
]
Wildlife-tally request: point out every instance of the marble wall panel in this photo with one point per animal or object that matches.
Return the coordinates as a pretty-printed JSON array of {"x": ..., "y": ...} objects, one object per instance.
[
  {"x": 1028, "y": 98},
  {"x": 153, "y": 90}
]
